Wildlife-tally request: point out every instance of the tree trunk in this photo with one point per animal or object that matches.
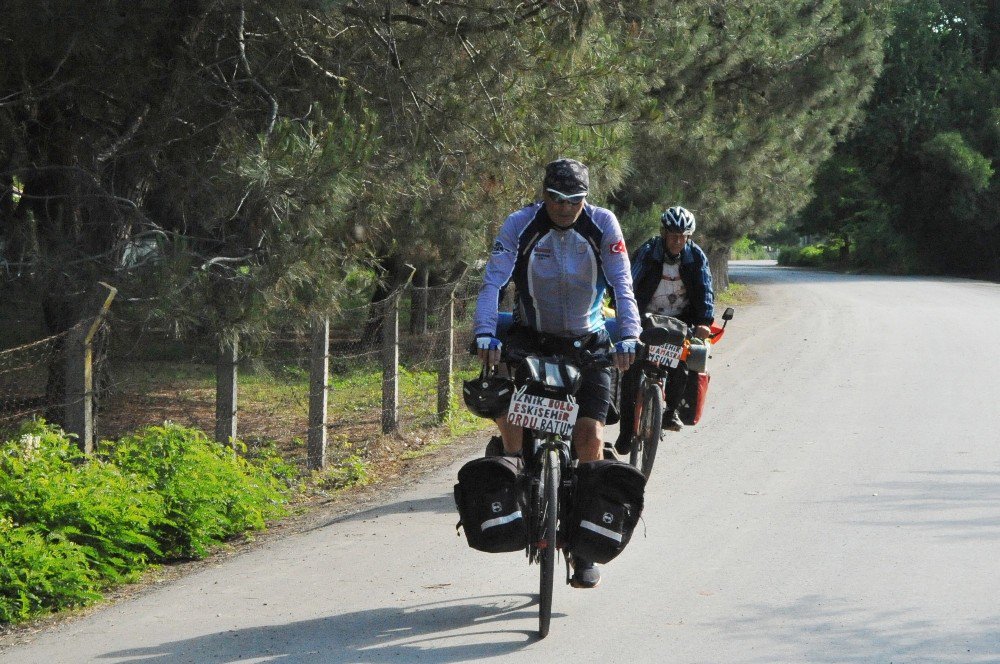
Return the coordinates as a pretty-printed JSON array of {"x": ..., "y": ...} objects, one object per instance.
[
  {"x": 845, "y": 250},
  {"x": 372, "y": 334},
  {"x": 718, "y": 263},
  {"x": 391, "y": 273},
  {"x": 442, "y": 285},
  {"x": 58, "y": 314}
]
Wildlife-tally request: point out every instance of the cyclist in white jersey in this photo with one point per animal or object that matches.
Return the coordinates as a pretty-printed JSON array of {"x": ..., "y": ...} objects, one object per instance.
[{"x": 672, "y": 278}]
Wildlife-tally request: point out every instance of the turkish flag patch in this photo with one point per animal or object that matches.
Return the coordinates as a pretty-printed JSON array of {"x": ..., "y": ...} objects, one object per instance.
[{"x": 618, "y": 247}]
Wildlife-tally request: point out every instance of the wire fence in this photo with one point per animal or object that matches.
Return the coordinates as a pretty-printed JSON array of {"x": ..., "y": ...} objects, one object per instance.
[
  {"x": 145, "y": 375},
  {"x": 29, "y": 379}
]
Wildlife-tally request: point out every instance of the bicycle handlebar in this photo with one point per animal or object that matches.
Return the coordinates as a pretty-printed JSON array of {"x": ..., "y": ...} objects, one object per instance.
[
  {"x": 589, "y": 360},
  {"x": 586, "y": 359}
]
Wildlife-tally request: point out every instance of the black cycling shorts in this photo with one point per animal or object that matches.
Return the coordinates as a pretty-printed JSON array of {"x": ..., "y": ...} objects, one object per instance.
[{"x": 594, "y": 395}]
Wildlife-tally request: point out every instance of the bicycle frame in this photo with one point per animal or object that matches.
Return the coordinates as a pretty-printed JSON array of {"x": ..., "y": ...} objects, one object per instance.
[
  {"x": 547, "y": 471},
  {"x": 547, "y": 460},
  {"x": 653, "y": 380}
]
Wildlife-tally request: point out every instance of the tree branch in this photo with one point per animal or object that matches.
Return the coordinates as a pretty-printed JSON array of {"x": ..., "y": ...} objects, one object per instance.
[
  {"x": 461, "y": 26},
  {"x": 241, "y": 36},
  {"x": 12, "y": 99},
  {"x": 124, "y": 138}
]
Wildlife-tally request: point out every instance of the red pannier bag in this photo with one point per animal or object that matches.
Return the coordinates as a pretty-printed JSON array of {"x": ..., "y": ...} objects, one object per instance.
[{"x": 694, "y": 398}]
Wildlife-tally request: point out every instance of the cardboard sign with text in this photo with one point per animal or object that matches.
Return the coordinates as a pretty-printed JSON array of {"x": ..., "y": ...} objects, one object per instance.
[
  {"x": 667, "y": 354},
  {"x": 543, "y": 414}
]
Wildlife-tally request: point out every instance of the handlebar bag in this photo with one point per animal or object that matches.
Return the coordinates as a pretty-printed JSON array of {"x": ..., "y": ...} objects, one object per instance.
[
  {"x": 693, "y": 402},
  {"x": 605, "y": 508},
  {"x": 548, "y": 375},
  {"x": 488, "y": 507},
  {"x": 677, "y": 329}
]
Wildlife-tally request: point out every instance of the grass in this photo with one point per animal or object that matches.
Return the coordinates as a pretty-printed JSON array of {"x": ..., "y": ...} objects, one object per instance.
[
  {"x": 735, "y": 295},
  {"x": 273, "y": 406}
]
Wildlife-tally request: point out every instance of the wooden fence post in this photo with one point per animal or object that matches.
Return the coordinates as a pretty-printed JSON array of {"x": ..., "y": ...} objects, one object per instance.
[
  {"x": 79, "y": 414},
  {"x": 225, "y": 387},
  {"x": 319, "y": 386},
  {"x": 446, "y": 368},
  {"x": 390, "y": 357}
]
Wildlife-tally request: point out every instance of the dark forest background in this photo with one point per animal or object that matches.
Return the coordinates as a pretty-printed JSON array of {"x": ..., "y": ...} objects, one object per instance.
[{"x": 234, "y": 166}]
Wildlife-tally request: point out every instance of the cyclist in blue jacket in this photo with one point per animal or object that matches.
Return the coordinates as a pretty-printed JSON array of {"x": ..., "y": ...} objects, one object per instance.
[
  {"x": 671, "y": 277},
  {"x": 562, "y": 254}
]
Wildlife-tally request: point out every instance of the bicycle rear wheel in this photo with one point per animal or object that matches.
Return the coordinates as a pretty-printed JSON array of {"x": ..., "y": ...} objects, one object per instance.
[
  {"x": 647, "y": 438},
  {"x": 549, "y": 512}
]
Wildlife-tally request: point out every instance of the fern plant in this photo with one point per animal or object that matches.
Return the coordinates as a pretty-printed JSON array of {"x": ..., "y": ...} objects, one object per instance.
[
  {"x": 108, "y": 513},
  {"x": 41, "y": 572},
  {"x": 210, "y": 491},
  {"x": 72, "y": 525}
]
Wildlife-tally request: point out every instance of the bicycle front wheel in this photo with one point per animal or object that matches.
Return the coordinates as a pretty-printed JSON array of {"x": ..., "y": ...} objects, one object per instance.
[
  {"x": 650, "y": 425},
  {"x": 549, "y": 491}
]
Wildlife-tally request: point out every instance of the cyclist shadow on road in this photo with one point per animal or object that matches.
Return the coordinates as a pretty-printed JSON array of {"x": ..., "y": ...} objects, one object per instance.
[
  {"x": 452, "y": 631},
  {"x": 443, "y": 504}
]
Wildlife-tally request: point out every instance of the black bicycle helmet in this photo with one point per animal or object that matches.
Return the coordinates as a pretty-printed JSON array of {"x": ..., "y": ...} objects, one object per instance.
[
  {"x": 488, "y": 395},
  {"x": 677, "y": 220}
]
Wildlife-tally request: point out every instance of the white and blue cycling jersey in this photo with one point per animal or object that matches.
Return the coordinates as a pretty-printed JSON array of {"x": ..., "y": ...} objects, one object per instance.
[{"x": 560, "y": 275}]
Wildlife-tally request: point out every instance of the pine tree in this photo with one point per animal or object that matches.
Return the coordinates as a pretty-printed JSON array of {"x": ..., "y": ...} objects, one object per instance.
[
  {"x": 927, "y": 149},
  {"x": 751, "y": 96}
]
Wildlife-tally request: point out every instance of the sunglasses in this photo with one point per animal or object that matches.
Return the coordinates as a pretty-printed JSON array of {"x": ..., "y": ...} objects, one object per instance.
[{"x": 559, "y": 197}]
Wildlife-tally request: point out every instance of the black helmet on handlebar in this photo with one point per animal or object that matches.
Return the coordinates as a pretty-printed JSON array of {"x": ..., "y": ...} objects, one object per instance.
[
  {"x": 488, "y": 395},
  {"x": 677, "y": 220}
]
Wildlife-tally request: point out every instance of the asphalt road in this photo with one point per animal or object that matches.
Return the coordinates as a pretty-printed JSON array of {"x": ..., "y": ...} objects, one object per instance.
[{"x": 839, "y": 503}]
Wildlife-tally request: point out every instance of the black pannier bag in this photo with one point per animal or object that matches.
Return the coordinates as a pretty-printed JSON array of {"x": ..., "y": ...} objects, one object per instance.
[
  {"x": 488, "y": 507},
  {"x": 606, "y": 506}
]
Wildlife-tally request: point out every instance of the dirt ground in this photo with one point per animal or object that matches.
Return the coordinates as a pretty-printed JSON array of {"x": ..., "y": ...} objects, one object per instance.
[{"x": 278, "y": 418}]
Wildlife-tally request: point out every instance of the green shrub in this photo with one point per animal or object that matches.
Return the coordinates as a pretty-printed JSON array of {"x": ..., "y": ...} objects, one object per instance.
[
  {"x": 109, "y": 514},
  {"x": 350, "y": 471},
  {"x": 210, "y": 491},
  {"x": 811, "y": 256},
  {"x": 878, "y": 247},
  {"x": 788, "y": 255},
  {"x": 823, "y": 254},
  {"x": 747, "y": 249},
  {"x": 40, "y": 572},
  {"x": 71, "y": 525}
]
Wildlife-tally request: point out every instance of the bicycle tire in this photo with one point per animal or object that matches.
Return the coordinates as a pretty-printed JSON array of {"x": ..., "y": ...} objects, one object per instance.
[
  {"x": 547, "y": 555},
  {"x": 647, "y": 438},
  {"x": 635, "y": 454}
]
